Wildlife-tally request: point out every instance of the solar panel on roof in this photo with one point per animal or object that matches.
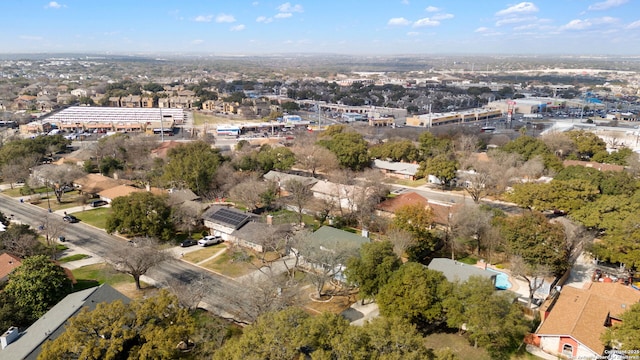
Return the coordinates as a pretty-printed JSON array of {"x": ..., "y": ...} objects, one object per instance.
[{"x": 230, "y": 217}]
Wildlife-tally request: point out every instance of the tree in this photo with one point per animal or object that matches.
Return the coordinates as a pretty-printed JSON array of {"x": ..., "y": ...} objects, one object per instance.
[
  {"x": 141, "y": 214},
  {"x": 538, "y": 248},
  {"x": 431, "y": 146},
  {"x": 416, "y": 294},
  {"x": 315, "y": 158},
  {"x": 587, "y": 143},
  {"x": 624, "y": 335},
  {"x": 60, "y": 177},
  {"x": 396, "y": 150},
  {"x": 21, "y": 240},
  {"x": 401, "y": 240},
  {"x": 249, "y": 192},
  {"x": 373, "y": 268},
  {"x": 299, "y": 193},
  {"x": 37, "y": 285},
  {"x": 349, "y": 147},
  {"x": 471, "y": 224},
  {"x": 18, "y": 169},
  {"x": 151, "y": 328},
  {"x": 490, "y": 319},
  {"x": 440, "y": 166},
  {"x": 416, "y": 219},
  {"x": 139, "y": 257},
  {"x": 192, "y": 165},
  {"x": 479, "y": 181}
]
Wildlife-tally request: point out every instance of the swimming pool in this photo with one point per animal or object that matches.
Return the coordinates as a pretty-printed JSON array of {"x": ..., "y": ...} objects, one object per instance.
[{"x": 502, "y": 280}]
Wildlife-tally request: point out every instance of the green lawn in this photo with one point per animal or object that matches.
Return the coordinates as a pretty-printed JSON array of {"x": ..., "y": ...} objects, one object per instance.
[
  {"x": 73, "y": 258},
  {"x": 204, "y": 253},
  {"x": 96, "y": 217},
  {"x": 101, "y": 274},
  {"x": 225, "y": 265},
  {"x": 459, "y": 345}
]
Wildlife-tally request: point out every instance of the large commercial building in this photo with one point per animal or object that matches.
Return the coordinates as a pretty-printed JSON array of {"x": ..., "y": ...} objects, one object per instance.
[
  {"x": 458, "y": 117},
  {"x": 78, "y": 119}
]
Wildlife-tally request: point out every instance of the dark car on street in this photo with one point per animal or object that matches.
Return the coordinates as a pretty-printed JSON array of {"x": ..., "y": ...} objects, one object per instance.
[
  {"x": 188, "y": 242},
  {"x": 70, "y": 219}
]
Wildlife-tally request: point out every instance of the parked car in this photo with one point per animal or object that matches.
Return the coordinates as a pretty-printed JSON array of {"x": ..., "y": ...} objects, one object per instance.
[
  {"x": 209, "y": 240},
  {"x": 97, "y": 203},
  {"x": 70, "y": 219},
  {"x": 188, "y": 242}
]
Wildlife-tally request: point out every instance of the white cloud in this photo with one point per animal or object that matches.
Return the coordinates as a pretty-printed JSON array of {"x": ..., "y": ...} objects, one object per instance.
[
  {"x": 197, "y": 41},
  {"x": 288, "y": 8},
  {"x": 255, "y": 3},
  {"x": 283, "y": 15},
  {"x": 426, "y": 22},
  {"x": 264, "y": 19},
  {"x": 481, "y": 29},
  {"x": 634, "y": 25},
  {"x": 577, "y": 24},
  {"x": 432, "y": 9},
  {"x": 238, "y": 27},
  {"x": 515, "y": 20},
  {"x": 404, "y": 2},
  {"x": 413, "y": 33},
  {"x": 442, "y": 16},
  {"x": 225, "y": 18},
  {"x": 398, "y": 22},
  {"x": 607, "y": 4},
  {"x": 521, "y": 8},
  {"x": 203, "y": 18},
  {"x": 54, "y": 5}
]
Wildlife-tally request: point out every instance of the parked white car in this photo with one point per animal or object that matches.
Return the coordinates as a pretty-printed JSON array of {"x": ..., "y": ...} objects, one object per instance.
[{"x": 209, "y": 240}]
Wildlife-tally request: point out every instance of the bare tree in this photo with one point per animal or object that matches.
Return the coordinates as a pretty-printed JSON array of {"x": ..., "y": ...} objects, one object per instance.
[
  {"x": 189, "y": 294},
  {"x": 533, "y": 274},
  {"x": 51, "y": 229},
  {"x": 249, "y": 192},
  {"x": 20, "y": 240},
  {"x": 18, "y": 169},
  {"x": 59, "y": 177},
  {"x": 315, "y": 158},
  {"x": 140, "y": 256},
  {"x": 185, "y": 217},
  {"x": 559, "y": 143},
  {"x": 532, "y": 169},
  {"x": 299, "y": 193},
  {"x": 401, "y": 240},
  {"x": 471, "y": 224},
  {"x": 466, "y": 144},
  {"x": 369, "y": 190},
  {"x": 480, "y": 180}
]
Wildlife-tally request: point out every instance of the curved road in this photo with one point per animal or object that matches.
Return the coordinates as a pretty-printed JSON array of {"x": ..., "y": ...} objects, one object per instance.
[{"x": 102, "y": 244}]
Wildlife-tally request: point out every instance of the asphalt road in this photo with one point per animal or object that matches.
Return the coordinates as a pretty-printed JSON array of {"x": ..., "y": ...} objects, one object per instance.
[{"x": 102, "y": 244}]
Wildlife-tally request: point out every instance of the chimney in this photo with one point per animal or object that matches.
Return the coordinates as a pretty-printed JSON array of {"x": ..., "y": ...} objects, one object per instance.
[
  {"x": 365, "y": 233},
  {"x": 8, "y": 337},
  {"x": 270, "y": 219}
]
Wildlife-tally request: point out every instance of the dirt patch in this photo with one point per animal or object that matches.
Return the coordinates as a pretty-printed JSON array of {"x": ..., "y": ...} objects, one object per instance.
[{"x": 130, "y": 291}]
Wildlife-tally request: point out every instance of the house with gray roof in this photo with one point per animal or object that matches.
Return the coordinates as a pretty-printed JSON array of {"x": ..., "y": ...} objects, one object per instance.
[
  {"x": 27, "y": 345},
  {"x": 401, "y": 170},
  {"x": 457, "y": 271},
  {"x": 281, "y": 179}
]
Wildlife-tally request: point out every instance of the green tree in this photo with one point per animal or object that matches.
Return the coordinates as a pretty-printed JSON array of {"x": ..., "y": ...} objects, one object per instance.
[
  {"x": 587, "y": 143},
  {"x": 290, "y": 106},
  {"x": 441, "y": 166},
  {"x": 624, "y": 335},
  {"x": 141, "y": 214},
  {"x": 37, "y": 285},
  {"x": 431, "y": 146},
  {"x": 109, "y": 164},
  {"x": 193, "y": 166},
  {"x": 529, "y": 147},
  {"x": 349, "y": 147},
  {"x": 373, "y": 268},
  {"x": 620, "y": 157},
  {"x": 151, "y": 328},
  {"x": 490, "y": 319},
  {"x": 396, "y": 150},
  {"x": 416, "y": 294},
  {"x": 279, "y": 158}
]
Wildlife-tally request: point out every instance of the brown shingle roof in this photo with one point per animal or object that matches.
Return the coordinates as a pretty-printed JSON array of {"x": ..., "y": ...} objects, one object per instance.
[
  {"x": 95, "y": 183},
  {"x": 8, "y": 262},
  {"x": 441, "y": 211},
  {"x": 581, "y": 313}
]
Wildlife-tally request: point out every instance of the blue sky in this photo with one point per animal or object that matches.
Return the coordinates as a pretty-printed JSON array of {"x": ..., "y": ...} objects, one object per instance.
[{"x": 385, "y": 27}]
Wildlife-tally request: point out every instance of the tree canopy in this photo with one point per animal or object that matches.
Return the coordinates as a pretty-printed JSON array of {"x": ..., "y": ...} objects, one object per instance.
[
  {"x": 192, "y": 165},
  {"x": 349, "y": 147},
  {"x": 373, "y": 268},
  {"x": 151, "y": 328},
  {"x": 625, "y": 334},
  {"x": 141, "y": 214},
  {"x": 37, "y": 285}
]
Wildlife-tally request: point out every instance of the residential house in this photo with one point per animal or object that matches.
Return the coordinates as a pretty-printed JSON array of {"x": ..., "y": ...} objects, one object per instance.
[
  {"x": 93, "y": 184},
  {"x": 578, "y": 317},
  {"x": 8, "y": 262},
  {"x": 146, "y": 101},
  {"x": 213, "y": 105},
  {"x": 28, "y": 344},
  {"x": 442, "y": 212},
  {"x": 24, "y": 102},
  {"x": 339, "y": 194},
  {"x": 457, "y": 271},
  {"x": 65, "y": 99},
  {"x": 131, "y": 101},
  {"x": 110, "y": 194},
  {"x": 244, "y": 229},
  {"x": 594, "y": 165},
  {"x": 114, "y": 101},
  {"x": 400, "y": 170},
  {"x": 281, "y": 179},
  {"x": 79, "y": 92}
]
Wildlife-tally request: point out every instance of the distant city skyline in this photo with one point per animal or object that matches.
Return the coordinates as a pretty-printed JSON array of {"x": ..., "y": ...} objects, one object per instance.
[{"x": 350, "y": 27}]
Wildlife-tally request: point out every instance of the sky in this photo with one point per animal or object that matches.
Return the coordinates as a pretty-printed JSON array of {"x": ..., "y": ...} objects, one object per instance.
[{"x": 350, "y": 27}]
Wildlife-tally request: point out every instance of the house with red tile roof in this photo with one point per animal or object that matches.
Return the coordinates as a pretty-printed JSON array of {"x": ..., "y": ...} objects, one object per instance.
[
  {"x": 578, "y": 318},
  {"x": 8, "y": 262},
  {"x": 442, "y": 212}
]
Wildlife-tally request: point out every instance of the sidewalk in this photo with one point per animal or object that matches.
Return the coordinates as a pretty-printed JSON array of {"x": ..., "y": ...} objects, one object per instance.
[{"x": 73, "y": 250}]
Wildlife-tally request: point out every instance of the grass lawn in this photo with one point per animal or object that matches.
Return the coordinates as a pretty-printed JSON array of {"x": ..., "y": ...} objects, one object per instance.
[
  {"x": 15, "y": 192},
  {"x": 469, "y": 260},
  {"x": 224, "y": 264},
  {"x": 96, "y": 217},
  {"x": 73, "y": 258},
  {"x": 411, "y": 183},
  {"x": 459, "y": 345},
  {"x": 204, "y": 253},
  {"x": 201, "y": 119},
  {"x": 101, "y": 273}
]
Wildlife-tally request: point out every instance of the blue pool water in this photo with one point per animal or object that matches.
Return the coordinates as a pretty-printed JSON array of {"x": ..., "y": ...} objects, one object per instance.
[{"x": 502, "y": 280}]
